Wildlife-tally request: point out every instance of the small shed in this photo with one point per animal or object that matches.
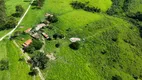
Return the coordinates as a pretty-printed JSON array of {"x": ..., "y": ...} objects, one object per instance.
[
  {"x": 35, "y": 35},
  {"x": 27, "y": 43},
  {"x": 28, "y": 30},
  {"x": 45, "y": 35},
  {"x": 39, "y": 26},
  {"x": 75, "y": 39}
]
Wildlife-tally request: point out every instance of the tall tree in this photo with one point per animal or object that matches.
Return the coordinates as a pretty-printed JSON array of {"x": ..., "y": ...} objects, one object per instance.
[{"x": 2, "y": 12}]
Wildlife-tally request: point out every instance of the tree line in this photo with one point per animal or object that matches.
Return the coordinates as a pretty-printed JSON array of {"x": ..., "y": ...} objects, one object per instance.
[
  {"x": 8, "y": 22},
  {"x": 84, "y": 6}
]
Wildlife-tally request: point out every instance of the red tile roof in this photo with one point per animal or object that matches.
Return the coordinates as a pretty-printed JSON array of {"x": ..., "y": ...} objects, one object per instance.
[{"x": 27, "y": 43}]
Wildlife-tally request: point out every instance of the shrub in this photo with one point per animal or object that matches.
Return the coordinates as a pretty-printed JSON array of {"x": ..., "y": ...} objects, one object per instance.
[
  {"x": 36, "y": 45},
  {"x": 39, "y": 60},
  {"x": 57, "y": 35},
  {"x": 52, "y": 19},
  {"x": 137, "y": 16},
  {"x": 10, "y": 23},
  {"x": 74, "y": 45},
  {"x": 38, "y": 3},
  {"x": 19, "y": 11},
  {"x": 4, "y": 64},
  {"x": 116, "y": 77},
  {"x": 33, "y": 72},
  {"x": 57, "y": 45}
]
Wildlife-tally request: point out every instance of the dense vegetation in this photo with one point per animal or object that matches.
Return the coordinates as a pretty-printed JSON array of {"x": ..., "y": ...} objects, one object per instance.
[
  {"x": 6, "y": 22},
  {"x": 38, "y": 3},
  {"x": 80, "y": 5},
  {"x": 36, "y": 45},
  {"x": 4, "y": 64},
  {"x": 39, "y": 60},
  {"x": 2, "y": 12},
  {"x": 19, "y": 11}
]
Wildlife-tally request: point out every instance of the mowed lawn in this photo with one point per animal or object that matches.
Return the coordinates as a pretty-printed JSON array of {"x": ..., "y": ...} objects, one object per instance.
[{"x": 17, "y": 69}]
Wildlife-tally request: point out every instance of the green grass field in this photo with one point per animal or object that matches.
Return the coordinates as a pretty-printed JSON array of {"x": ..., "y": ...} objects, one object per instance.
[
  {"x": 102, "y": 4},
  {"x": 16, "y": 68},
  {"x": 110, "y": 45}
]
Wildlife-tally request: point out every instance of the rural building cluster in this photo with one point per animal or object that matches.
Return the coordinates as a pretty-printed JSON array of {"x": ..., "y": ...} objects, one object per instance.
[{"x": 36, "y": 33}]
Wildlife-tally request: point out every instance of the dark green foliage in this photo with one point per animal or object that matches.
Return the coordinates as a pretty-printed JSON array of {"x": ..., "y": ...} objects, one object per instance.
[
  {"x": 33, "y": 72},
  {"x": 21, "y": 59},
  {"x": 36, "y": 45},
  {"x": 138, "y": 24},
  {"x": 61, "y": 36},
  {"x": 79, "y": 5},
  {"x": 39, "y": 60},
  {"x": 38, "y": 3},
  {"x": 4, "y": 64},
  {"x": 30, "y": 49},
  {"x": 2, "y": 12},
  {"x": 11, "y": 23},
  {"x": 116, "y": 77},
  {"x": 52, "y": 19},
  {"x": 137, "y": 16},
  {"x": 74, "y": 45},
  {"x": 116, "y": 8},
  {"x": 57, "y": 45},
  {"x": 19, "y": 11},
  {"x": 57, "y": 35}
]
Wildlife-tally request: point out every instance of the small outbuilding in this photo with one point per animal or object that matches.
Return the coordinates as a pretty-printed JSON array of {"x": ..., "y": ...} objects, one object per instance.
[
  {"x": 39, "y": 26},
  {"x": 75, "y": 39},
  {"x": 27, "y": 43},
  {"x": 28, "y": 30},
  {"x": 45, "y": 35},
  {"x": 35, "y": 35}
]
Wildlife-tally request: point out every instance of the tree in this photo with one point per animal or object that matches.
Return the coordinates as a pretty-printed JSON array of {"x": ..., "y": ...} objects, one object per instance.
[
  {"x": 39, "y": 60},
  {"x": 55, "y": 36},
  {"x": 116, "y": 77},
  {"x": 74, "y": 45},
  {"x": 2, "y": 12},
  {"x": 11, "y": 23},
  {"x": 19, "y": 11},
  {"x": 61, "y": 36},
  {"x": 4, "y": 64},
  {"x": 38, "y": 3},
  {"x": 33, "y": 72},
  {"x": 36, "y": 45},
  {"x": 52, "y": 19},
  {"x": 57, "y": 45}
]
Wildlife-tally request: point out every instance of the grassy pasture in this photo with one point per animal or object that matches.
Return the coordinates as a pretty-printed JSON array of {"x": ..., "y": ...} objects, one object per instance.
[
  {"x": 88, "y": 62},
  {"x": 10, "y": 5},
  {"x": 111, "y": 46},
  {"x": 16, "y": 68}
]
